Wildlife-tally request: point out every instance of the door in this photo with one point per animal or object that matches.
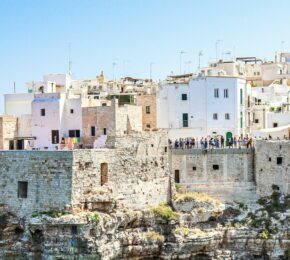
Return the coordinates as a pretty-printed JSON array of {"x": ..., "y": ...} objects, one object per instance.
[
  {"x": 54, "y": 136},
  {"x": 104, "y": 173},
  {"x": 20, "y": 144},
  {"x": 228, "y": 136},
  {"x": 176, "y": 176}
]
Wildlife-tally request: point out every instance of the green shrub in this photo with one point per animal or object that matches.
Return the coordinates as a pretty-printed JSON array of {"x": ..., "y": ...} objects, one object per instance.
[
  {"x": 264, "y": 234},
  {"x": 155, "y": 237},
  {"x": 198, "y": 196},
  {"x": 95, "y": 218},
  {"x": 164, "y": 211},
  {"x": 50, "y": 213},
  {"x": 177, "y": 187},
  {"x": 243, "y": 206}
]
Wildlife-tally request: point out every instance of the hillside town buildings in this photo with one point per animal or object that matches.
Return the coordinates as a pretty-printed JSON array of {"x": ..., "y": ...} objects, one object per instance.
[{"x": 231, "y": 98}]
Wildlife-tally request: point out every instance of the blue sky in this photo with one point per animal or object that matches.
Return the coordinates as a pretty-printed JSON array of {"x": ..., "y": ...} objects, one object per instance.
[{"x": 35, "y": 35}]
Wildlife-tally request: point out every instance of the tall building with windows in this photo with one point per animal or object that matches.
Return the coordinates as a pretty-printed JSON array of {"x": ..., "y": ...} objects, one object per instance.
[{"x": 204, "y": 106}]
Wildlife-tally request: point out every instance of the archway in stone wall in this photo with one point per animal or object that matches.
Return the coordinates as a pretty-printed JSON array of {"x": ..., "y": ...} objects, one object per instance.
[{"x": 104, "y": 173}]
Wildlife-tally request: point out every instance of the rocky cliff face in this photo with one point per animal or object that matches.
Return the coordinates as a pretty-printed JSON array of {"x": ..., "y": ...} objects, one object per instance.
[{"x": 198, "y": 227}]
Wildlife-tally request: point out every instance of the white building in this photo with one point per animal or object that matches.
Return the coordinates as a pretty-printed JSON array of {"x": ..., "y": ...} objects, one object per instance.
[
  {"x": 51, "y": 83},
  {"x": 271, "y": 109},
  {"x": 204, "y": 106},
  {"x": 18, "y": 104},
  {"x": 55, "y": 117}
]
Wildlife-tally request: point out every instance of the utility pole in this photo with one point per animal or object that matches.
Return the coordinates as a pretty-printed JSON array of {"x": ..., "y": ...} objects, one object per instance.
[
  {"x": 69, "y": 59},
  {"x": 151, "y": 64},
  {"x": 114, "y": 64},
  {"x": 199, "y": 55},
  {"x": 282, "y": 46},
  {"x": 180, "y": 60},
  {"x": 216, "y": 49}
]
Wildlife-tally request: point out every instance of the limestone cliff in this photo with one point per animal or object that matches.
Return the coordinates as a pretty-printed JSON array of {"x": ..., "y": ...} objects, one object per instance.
[{"x": 196, "y": 227}]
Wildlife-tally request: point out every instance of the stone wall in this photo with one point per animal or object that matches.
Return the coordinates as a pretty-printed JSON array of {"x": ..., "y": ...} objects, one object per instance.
[
  {"x": 100, "y": 117},
  {"x": 118, "y": 120},
  {"x": 48, "y": 175},
  {"x": 272, "y": 166},
  {"x": 137, "y": 175},
  {"x": 225, "y": 173},
  {"x": 138, "y": 172},
  {"x": 148, "y": 119},
  {"x": 8, "y": 130}
]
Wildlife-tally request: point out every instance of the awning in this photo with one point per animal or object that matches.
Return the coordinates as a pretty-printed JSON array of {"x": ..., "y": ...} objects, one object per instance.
[{"x": 22, "y": 138}]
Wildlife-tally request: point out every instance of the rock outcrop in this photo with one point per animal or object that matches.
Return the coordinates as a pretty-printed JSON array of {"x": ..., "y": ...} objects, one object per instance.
[{"x": 223, "y": 232}]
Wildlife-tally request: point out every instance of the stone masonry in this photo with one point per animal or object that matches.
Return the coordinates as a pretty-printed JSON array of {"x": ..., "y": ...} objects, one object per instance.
[
  {"x": 8, "y": 130},
  {"x": 272, "y": 167},
  {"x": 227, "y": 174},
  {"x": 148, "y": 103},
  {"x": 133, "y": 173},
  {"x": 110, "y": 120}
]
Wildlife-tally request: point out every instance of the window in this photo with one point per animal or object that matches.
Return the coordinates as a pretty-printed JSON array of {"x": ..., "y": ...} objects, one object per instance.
[
  {"x": 183, "y": 96},
  {"x": 279, "y": 160},
  {"x": 105, "y": 131},
  {"x": 71, "y": 111},
  {"x": 148, "y": 125},
  {"x": 104, "y": 173},
  {"x": 165, "y": 149},
  {"x": 74, "y": 133},
  {"x": 275, "y": 124},
  {"x": 215, "y": 167},
  {"x": 227, "y": 116},
  {"x": 241, "y": 96},
  {"x": 226, "y": 93},
  {"x": 185, "y": 120},
  {"x": 54, "y": 136},
  {"x": 194, "y": 168},
  {"x": 216, "y": 92},
  {"x": 93, "y": 131},
  {"x": 11, "y": 144},
  {"x": 74, "y": 230},
  {"x": 42, "y": 112},
  {"x": 176, "y": 176},
  {"x": 256, "y": 121},
  {"x": 215, "y": 116},
  {"x": 270, "y": 159},
  {"x": 147, "y": 109},
  {"x": 241, "y": 120},
  {"x": 104, "y": 104},
  {"x": 22, "y": 189}
]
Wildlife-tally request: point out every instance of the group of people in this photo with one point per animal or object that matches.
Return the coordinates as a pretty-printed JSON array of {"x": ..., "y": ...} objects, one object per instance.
[{"x": 212, "y": 142}]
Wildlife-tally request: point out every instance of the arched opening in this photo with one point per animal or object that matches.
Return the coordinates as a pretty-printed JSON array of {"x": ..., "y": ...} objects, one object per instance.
[{"x": 104, "y": 173}]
